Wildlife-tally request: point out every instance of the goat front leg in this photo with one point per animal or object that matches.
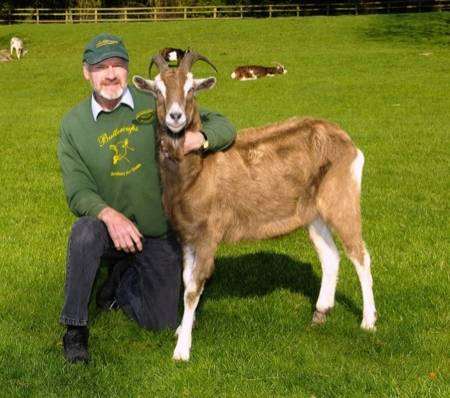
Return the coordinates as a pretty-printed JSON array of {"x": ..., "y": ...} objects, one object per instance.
[{"x": 198, "y": 264}]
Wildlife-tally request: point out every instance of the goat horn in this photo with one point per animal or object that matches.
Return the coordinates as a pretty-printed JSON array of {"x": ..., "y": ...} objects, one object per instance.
[
  {"x": 159, "y": 61},
  {"x": 191, "y": 57}
]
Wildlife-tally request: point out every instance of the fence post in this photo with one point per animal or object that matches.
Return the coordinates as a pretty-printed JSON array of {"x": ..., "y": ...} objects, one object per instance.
[
  {"x": 242, "y": 15},
  {"x": 96, "y": 15},
  {"x": 270, "y": 10},
  {"x": 37, "y": 15},
  {"x": 215, "y": 12},
  {"x": 298, "y": 10},
  {"x": 125, "y": 14},
  {"x": 185, "y": 13}
]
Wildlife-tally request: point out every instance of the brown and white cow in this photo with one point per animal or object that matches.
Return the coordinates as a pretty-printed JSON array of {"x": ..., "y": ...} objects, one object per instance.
[{"x": 253, "y": 72}]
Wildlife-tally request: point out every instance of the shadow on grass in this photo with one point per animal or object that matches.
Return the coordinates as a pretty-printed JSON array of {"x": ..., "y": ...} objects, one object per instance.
[
  {"x": 262, "y": 273},
  {"x": 411, "y": 29}
]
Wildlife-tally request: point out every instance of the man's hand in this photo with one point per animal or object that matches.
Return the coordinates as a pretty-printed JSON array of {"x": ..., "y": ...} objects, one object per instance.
[
  {"x": 193, "y": 140},
  {"x": 122, "y": 231}
]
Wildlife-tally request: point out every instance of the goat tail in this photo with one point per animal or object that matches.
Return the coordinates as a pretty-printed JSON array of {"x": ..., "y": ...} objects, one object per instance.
[{"x": 330, "y": 143}]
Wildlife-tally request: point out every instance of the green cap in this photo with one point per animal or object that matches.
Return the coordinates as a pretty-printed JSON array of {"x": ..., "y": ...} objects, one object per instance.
[{"x": 104, "y": 46}]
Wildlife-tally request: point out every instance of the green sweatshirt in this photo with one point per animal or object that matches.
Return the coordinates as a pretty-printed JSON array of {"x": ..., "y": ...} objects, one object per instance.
[{"x": 111, "y": 161}]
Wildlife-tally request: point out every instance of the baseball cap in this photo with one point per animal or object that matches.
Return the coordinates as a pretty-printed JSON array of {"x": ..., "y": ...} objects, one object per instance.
[{"x": 104, "y": 46}]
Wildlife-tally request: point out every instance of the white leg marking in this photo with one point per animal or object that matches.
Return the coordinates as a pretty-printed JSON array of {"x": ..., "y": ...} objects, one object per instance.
[
  {"x": 329, "y": 259},
  {"x": 357, "y": 168},
  {"x": 365, "y": 279},
  {"x": 184, "y": 331}
]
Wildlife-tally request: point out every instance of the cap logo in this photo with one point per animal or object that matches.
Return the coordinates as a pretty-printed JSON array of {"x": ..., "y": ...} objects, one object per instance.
[{"x": 106, "y": 42}]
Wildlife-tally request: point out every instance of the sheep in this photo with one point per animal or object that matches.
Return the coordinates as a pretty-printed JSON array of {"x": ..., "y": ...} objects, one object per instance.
[
  {"x": 301, "y": 172},
  {"x": 253, "y": 72},
  {"x": 16, "y": 44}
]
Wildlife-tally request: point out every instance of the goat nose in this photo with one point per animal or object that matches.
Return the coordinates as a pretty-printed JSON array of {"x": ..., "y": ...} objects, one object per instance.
[{"x": 175, "y": 116}]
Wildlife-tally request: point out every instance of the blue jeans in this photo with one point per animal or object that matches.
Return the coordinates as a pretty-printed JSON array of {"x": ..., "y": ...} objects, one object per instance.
[{"x": 148, "y": 290}]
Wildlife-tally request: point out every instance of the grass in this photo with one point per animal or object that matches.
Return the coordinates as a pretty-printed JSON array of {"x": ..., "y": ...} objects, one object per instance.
[{"x": 385, "y": 80}]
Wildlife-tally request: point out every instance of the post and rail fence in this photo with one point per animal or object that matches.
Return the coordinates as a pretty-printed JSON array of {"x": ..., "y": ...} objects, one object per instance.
[{"x": 147, "y": 14}]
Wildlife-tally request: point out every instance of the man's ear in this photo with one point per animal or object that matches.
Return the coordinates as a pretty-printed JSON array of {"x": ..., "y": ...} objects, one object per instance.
[
  {"x": 204, "y": 84},
  {"x": 86, "y": 72},
  {"x": 145, "y": 85}
]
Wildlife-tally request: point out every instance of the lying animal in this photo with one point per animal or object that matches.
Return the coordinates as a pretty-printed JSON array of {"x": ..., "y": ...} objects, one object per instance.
[
  {"x": 173, "y": 55},
  {"x": 253, "y": 72},
  {"x": 17, "y": 45},
  {"x": 5, "y": 56},
  {"x": 300, "y": 172}
]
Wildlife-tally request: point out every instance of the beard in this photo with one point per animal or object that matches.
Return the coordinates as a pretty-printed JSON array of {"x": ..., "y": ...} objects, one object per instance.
[{"x": 111, "y": 95}]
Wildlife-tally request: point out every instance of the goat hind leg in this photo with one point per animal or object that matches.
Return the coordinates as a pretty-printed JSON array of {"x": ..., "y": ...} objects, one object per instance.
[
  {"x": 329, "y": 259},
  {"x": 361, "y": 261}
]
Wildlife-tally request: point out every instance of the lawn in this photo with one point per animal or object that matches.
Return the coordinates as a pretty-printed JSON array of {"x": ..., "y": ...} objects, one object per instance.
[{"x": 385, "y": 80}]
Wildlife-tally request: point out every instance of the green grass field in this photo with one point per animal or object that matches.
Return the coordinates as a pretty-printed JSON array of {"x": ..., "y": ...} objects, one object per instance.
[{"x": 385, "y": 80}]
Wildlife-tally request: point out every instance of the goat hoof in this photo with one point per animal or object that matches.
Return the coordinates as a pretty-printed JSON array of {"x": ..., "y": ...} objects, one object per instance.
[
  {"x": 181, "y": 354},
  {"x": 368, "y": 327},
  {"x": 368, "y": 323},
  {"x": 319, "y": 318}
]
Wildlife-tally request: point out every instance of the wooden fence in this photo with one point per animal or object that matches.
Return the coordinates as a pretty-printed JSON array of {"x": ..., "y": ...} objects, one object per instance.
[{"x": 142, "y": 14}]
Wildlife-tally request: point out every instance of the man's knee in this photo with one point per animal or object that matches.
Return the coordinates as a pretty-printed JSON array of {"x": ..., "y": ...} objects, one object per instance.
[{"x": 87, "y": 232}]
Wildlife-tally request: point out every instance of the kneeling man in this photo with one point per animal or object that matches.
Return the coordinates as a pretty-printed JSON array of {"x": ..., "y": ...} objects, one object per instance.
[{"x": 111, "y": 181}]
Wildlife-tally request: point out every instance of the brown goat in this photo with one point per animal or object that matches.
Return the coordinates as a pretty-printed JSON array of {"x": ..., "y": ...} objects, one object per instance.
[
  {"x": 253, "y": 72},
  {"x": 273, "y": 180}
]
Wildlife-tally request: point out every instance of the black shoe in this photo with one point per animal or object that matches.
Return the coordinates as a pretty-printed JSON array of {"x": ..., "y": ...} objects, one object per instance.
[{"x": 75, "y": 343}]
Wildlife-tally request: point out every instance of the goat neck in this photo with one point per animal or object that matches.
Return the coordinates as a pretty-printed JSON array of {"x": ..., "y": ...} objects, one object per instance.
[{"x": 178, "y": 170}]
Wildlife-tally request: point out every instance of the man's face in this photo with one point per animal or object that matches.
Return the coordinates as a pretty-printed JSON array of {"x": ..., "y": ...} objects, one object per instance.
[{"x": 108, "y": 78}]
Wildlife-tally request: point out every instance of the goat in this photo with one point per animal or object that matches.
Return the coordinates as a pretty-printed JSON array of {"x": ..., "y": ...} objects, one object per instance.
[
  {"x": 173, "y": 55},
  {"x": 16, "y": 44},
  {"x": 253, "y": 72},
  {"x": 274, "y": 179}
]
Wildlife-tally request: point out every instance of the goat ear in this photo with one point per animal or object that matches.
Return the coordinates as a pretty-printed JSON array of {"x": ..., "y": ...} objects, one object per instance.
[
  {"x": 144, "y": 85},
  {"x": 204, "y": 84}
]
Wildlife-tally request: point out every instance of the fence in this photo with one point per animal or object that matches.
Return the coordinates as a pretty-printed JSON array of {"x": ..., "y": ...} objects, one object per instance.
[{"x": 134, "y": 14}]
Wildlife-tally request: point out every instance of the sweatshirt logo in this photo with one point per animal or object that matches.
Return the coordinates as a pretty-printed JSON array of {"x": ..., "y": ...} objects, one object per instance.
[
  {"x": 121, "y": 151},
  {"x": 145, "y": 116},
  {"x": 105, "y": 138},
  {"x": 119, "y": 142}
]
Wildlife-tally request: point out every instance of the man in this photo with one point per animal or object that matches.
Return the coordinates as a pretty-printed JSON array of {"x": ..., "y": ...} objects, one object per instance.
[{"x": 107, "y": 156}]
